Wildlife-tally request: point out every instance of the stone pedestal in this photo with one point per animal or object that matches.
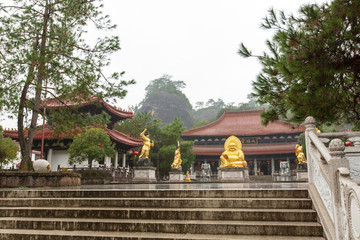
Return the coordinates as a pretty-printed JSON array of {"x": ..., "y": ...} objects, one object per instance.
[
  {"x": 233, "y": 174},
  {"x": 144, "y": 174},
  {"x": 301, "y": 175},
  {"x": 176, "y": 176}
]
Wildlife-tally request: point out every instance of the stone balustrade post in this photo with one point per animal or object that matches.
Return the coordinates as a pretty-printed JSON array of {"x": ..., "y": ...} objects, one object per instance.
[
  {"x": 337, "y": 161},
  {"x": 353, "y": 155},
  {"x": 310, "y": 127}
]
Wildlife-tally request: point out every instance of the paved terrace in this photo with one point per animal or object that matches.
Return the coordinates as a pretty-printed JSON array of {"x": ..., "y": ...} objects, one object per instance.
[{"x": 179, "y": 186}]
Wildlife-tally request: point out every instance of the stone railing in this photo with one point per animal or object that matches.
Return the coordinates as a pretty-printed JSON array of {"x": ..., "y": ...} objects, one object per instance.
[{"x": 333, "y": 181}]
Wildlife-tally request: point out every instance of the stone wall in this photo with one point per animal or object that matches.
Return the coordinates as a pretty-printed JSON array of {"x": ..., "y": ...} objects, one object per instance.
[{"x": 32, "y": 179}]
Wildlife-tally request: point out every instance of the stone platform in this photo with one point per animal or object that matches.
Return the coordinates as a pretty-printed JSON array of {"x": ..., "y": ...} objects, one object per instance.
[
  {"x": 233, "y": 174},
  {"x": 144, "y": 174},
  {"x": 176, "y": 176}
]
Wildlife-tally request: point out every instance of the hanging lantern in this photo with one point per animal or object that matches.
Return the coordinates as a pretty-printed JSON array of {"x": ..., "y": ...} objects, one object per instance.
[
  {"x": 251, "y": 162},
  {"x": 268, "y": 162},
  {"x": 259, "y": 162},
  {"x": 198, "y": 163},
  {"x": 212, "y": 163},
  {"x": 280, "y": 161},
  {"x": 135, "y": 153},
  {"x": 348, "y": 143}
]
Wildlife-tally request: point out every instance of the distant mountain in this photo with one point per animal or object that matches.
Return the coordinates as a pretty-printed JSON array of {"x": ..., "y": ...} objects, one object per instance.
[{"x": 167, "y": 106}]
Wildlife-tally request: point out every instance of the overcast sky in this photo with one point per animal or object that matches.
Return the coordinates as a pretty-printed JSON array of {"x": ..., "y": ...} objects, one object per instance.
[{"x": 195, "y": 41}]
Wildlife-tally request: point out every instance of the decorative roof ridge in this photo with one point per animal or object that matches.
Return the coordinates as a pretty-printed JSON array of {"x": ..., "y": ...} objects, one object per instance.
[{"x": 243, "y": 111}]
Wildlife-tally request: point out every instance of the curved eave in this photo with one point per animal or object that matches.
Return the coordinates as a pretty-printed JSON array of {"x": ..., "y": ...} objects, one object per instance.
[
  {"x": 260, "y": 149},
  {"x": 48, "y": 134},
  {"x": 118, "y": 112},
  {"x": 123, "y": 138}
]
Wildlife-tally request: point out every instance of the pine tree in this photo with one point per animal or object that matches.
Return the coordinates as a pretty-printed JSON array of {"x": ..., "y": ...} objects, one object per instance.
[{"x": 313, "y": 64}]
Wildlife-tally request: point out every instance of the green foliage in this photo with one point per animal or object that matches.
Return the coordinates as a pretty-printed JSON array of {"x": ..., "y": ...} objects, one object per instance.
[
  {"x": 138, "y": 123},
  {"x": 187, "y": 154},
  {"x": 312, "y": 66},
  {"x": 165, "y": 84},
  {"x": 62, "y": 120},
  {"x": 42, "y": 43},
  {"x": 8, "y": 149},
  {"x": 93, "y": 144}
]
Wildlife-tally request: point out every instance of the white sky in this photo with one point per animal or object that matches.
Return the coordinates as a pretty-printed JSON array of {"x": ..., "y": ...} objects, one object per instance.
[{"x": 195, "y": 41}]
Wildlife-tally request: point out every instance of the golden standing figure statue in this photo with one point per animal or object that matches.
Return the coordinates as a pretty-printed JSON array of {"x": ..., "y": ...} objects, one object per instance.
[
  {"x": 300, "y": 154},
  {"x": 147, "y": 144},
  {"x": 233, "y": 156},
  {"x": 177, "y": 158},
  {"x": 187, "y": 179}
]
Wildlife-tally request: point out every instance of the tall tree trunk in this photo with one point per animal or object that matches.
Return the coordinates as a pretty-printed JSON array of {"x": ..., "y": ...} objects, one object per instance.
[{"x": 27, "y": 141}]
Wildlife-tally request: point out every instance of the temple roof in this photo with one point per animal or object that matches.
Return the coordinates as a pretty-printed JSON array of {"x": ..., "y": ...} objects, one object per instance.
[
  {"x": 257, "y": 149},
  {"x": 55, "y": 103},
  {"x": 49, "y": 135},
  {"x": 243, "y": 123}
]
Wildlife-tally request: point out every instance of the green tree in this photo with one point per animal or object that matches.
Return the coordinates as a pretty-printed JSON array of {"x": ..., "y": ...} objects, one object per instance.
[
  {"x": 170, "y": 135},
  {"x": 138, "y": 123},
  {"x": 93, "y": 144},
  {"x": 8, "y": 149},
  {"x": 42, "y": 44},
  {"x": 313, "y": 65}
]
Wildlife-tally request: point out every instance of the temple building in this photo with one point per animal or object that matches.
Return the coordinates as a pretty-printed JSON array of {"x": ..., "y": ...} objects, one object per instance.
[
  {"x": 264, "y": 147},
  {"x": 55, "y": 146}
]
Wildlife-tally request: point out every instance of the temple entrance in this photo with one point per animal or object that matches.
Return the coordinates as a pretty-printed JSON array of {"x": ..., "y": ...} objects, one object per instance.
[{"x": 265, "y": 168}]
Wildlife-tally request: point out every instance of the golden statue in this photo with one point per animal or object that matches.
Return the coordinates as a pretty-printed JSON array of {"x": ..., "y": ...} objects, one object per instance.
[
  {"x": 300, "y": 154},
  {"x": 145, "y": 136},
  {"x": 177, "y": 158},
  {"x": 187, "y": 179},
  {"x": 233, "y": 156}
]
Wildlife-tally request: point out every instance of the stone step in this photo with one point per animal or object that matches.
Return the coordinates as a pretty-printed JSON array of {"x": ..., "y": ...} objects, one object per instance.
[
  {"x": 262, "y": 203},
  {"x": 220, "y": 214},
  {"x": 19, "y": 234},
  {"x": 303, "y": 229},
  {"x": 191, "y": 193}
]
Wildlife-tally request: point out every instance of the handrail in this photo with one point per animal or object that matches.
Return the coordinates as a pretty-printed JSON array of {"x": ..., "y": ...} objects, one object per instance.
[
  {"x": 320, "y": 146},
  {"x": 339, "y": 134}
]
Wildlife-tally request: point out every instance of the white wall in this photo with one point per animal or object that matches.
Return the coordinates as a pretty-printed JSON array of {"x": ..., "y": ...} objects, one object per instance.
[{"x": 59, "y": 157}]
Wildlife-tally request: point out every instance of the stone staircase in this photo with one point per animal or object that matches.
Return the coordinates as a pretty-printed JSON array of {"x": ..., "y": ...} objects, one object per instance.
[{"x": 158, "y": 214}]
